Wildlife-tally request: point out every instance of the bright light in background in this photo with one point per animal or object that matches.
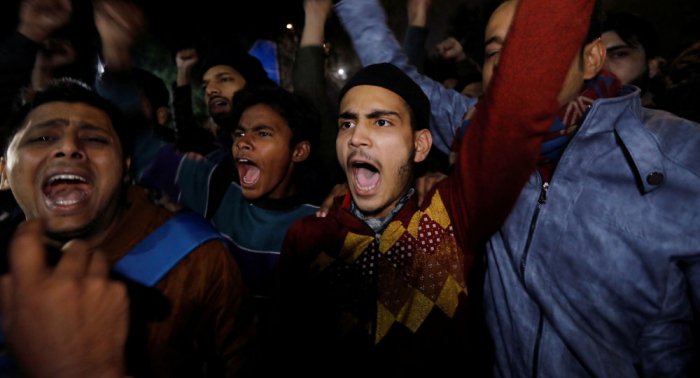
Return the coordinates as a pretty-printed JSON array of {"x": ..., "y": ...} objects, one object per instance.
[
  {"x": 341, "y": 74},
  {"x": 289, "y": 26},
  {"x": 100, "y": 67}
]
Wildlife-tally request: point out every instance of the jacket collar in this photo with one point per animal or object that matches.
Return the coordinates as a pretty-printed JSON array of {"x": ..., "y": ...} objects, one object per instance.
[{"x": 623, "y": 116}]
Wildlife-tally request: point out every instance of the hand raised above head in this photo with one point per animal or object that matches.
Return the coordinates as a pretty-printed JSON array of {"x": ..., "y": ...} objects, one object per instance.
[
  {"x": 450, "y": 48},
  {"x": 38, "y": 19},
  {"x": 186, "y": 59},
  {"x": 119, "y": 23}
]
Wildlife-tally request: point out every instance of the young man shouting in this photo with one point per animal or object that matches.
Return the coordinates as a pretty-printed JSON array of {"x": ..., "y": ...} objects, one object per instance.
[
  {"x": 65, "y": 158},
  {"x": 381, "y": 282}
]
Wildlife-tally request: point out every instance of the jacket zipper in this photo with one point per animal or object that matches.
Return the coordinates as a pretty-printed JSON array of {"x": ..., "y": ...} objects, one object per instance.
[{"x": 540, "y": 202}]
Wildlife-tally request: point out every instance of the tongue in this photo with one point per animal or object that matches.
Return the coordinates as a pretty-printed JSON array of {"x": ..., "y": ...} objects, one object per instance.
[
  {"x": 251, "y": 174},
  {"x": 366, "y": 177},
  {"x": 65, "y": 192}
]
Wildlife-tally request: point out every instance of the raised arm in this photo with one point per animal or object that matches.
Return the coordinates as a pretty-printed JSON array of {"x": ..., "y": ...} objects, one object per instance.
[
  {"x": 365, "y": 22},
  {"x": 416, "y": 32},
  {"x": 501, "y": 146},
  {"x": 308, "y": 80},
  {"x": 37, "y": 21}
]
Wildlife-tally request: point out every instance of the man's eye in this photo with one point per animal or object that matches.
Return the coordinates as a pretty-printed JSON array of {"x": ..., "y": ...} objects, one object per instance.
[
  {"x": 226, "y": 79},
  {"x": 383, "y": 122},
  {"x": 97, "y": 140},
  {"x": 43, "y": 138},
  {"x": 264, "y": 134},
  {"x": 619, "y": 54},
  {"x": 238, "y": 135},
  {"x": 490, "y": 54},
  {"x": 346, "y": 125}
]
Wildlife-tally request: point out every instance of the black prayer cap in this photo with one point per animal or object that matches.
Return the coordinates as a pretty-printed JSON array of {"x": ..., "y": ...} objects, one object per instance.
[
  {"x": 388, "y": 76},
  {"x": 247, "y": 65}
]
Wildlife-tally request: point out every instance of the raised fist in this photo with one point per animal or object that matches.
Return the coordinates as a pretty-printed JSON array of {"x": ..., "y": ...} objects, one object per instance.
[
  {"x": 118, "y": 22},
  {"x": 39, "y": 18},
  {"x": 186, "y": 59},
  {"x": 451, "y": 49}
]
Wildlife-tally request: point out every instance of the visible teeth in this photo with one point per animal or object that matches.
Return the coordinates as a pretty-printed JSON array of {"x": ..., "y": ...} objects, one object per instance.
[
  {"x": 66, "y": 177},
  {"x": 242, "y": 160},
  {"x": 364, "y": 188},
  {"x": 248, "y": 182},
  {"x": 67, "y": 202}
]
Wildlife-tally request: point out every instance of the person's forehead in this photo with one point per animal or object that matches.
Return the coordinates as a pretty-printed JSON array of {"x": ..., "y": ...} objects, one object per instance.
[
  {"x": 78, "y": 112},
  {"x": 500, "y": 20},
  {"x": 612, "y": 39},
  {"x": 219, "y": 70},
  {"x": 262, "y": 114},
  {"x": 370, "y": 97}
]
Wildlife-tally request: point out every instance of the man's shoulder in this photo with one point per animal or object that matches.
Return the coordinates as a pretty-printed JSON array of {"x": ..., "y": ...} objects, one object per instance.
[
  {"x": 678, "y": 138},
  {"x": 311, "y": 229}
]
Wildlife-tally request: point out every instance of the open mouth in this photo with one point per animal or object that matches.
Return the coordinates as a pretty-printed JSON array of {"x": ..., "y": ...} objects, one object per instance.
[
  {"x": 218, "y": 105},
  {"x": 366, "y": 177},
  {"x": 66, "y": 191},
  {"x": 248, "y": 172}
]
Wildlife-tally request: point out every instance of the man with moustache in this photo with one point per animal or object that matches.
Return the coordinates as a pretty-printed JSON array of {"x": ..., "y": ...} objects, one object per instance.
[
  {"x": 226, "y": 70},
  {"x": 382, "y": 283},
  {"x": 65, "y": 159},
  {"x": 594, "y": 273}
]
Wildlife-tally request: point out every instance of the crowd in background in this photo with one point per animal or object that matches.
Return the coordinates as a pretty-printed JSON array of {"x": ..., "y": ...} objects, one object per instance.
[{"x": 496, "y": 210}]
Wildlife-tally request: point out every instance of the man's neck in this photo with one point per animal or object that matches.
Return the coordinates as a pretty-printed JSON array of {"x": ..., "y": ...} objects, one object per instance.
[
  {"x": 379, "y": 223},
  {"x": 92, "y": 234}
]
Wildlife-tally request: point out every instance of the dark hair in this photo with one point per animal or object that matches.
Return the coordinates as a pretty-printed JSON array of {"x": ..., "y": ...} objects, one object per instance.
[
  {"x": 301, "y": 117},
  {"x": 595, "y": 26},
  {"x": 152, "y": 87},
  {"x": 71, "y": 91},
  {"x": 635, "y": 31}
]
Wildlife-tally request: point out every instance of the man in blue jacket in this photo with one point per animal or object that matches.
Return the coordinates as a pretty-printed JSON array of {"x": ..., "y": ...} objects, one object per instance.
[{"x": 596, "y": 271}]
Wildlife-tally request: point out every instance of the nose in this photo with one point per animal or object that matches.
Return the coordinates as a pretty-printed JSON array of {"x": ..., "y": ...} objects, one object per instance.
[
  {"x": 212, "y": 90},
  {"x": 244, "y": 142},
  {"x": 360, "y": 135},
  {"x": 70, "y": 146}
]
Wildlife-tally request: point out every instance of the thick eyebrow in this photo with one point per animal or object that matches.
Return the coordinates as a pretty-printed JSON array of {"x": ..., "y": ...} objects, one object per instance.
[
  {"x": 617, "y": 47},
  {"x": 50, "y": 122},
  {"x": 90, "y": 126},
  {"x": 347, "y": 115},
  {"x": 65, "y": 122},
  {"x": 259, "y": 127},
  {"x": 494, "y": 39},
  {"x": 374, "y": 114}
]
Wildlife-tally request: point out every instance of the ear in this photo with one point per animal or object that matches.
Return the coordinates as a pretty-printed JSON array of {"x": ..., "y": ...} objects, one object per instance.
[
  {"x": 593, "y": 58},
  {"x": 655, "y": 66},
  {"x": 162, "y": 115},
  {"x": 301, "y": 151},
  {"x": 127, "y": 164},
  {"x": 4, "y": 182},
  {"x": 422, "y": 141}
]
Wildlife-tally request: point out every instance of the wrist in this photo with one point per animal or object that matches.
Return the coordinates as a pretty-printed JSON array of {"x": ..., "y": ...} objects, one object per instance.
[
  {"x": 183, "y": 78},
  {"x": 117, "y": 59},
  {"x": 460, "y": 57},
  {"x": 312, "y": 35},
  {"x": 418, "y": 17},
  {"x": 33, "y": 33}
]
